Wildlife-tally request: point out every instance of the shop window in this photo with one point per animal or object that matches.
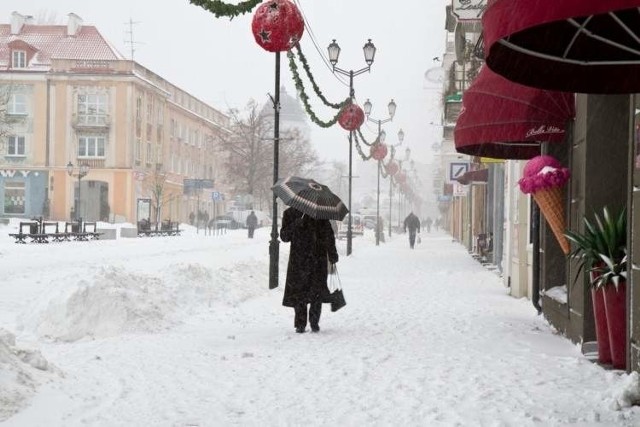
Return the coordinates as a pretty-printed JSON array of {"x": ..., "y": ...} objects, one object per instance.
[
  {"x": 91, "y": 146},
  {"x": 14, "y": 196},
  {"x": 15, "y": 146}
]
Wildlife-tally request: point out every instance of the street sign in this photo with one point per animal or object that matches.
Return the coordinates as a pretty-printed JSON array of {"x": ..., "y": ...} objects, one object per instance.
[
  {"x": 191, "y": 185},
  {"x": 456, "y": 170},
  {"x": 216, "y": 196}
]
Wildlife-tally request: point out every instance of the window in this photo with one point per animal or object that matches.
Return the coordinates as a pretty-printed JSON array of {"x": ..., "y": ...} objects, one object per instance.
[
  {"x": 19, "y": 59},
  {"x": 91, "y": 146},
  {"x": 15, "y": 146},
  {"x": 17, "y": 104},
  {"x": 14, "y": 192},
  {"x": 149, "y": 153},
  {"x": 92, "y": 109}
]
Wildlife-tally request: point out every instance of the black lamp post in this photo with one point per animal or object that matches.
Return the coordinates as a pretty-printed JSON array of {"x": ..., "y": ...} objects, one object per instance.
[
  {"x": 393, "y": 150},
  {"x": 392, "y": 112},
  {"x": 83, "y": 170},
  {"x": 369, "y": 55},
  {"x": 274, "y": 244}
]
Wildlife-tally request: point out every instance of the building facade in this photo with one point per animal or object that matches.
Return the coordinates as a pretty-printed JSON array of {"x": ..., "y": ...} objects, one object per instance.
[{"x": 72, "y": 100}]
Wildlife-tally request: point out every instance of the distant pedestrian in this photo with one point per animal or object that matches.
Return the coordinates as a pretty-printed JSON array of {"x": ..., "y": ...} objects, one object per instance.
[
  {"x": 428, "y": 223},
  {"x": 192, "y": 217},
  {"x": 313, "y": 248},
  {"x": 252, "y": 223},
  {"x": 413, "y": 224}
]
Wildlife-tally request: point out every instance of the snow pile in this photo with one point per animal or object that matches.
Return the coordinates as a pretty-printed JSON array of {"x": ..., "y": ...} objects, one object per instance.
[
  {"x": 21, "y": 372},
  {"x": 112, "y": 302},
  {"x": 625, "y": 393},
  {"x": 116, "y": 301}
]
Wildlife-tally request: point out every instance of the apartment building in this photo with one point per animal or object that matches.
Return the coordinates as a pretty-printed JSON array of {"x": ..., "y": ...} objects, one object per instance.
[{"x": 87, "y": 133}]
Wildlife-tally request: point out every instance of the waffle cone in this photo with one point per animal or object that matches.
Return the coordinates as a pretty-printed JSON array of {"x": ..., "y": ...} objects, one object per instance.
[{"x": 550, "y": 202}]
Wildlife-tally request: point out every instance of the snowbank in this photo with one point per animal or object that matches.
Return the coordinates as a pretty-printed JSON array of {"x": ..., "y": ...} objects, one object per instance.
[{"x": 21, "y": 372}]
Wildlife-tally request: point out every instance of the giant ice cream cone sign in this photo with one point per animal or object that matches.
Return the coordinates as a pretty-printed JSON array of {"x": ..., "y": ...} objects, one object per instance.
[{"x": 544, "y": 178}]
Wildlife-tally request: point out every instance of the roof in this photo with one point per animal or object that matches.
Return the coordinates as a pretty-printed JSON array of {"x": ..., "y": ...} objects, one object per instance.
[{"x": 52, "y": 42}]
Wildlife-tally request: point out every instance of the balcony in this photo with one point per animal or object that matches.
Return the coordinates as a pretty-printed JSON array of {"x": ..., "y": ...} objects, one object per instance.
[
  {"x": 91, "y": 122},
  {"x": 93, "y": 163}
]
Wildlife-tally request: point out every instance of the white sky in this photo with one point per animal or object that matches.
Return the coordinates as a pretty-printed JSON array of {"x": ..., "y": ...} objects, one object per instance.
[
  {"x": 183, "y": 332},
  {"x": 218, "y": 60}
]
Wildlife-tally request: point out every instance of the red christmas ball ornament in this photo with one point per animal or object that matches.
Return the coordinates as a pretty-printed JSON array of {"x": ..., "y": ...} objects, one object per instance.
[
  {"x": 401, "y": 178},
  {"x": 351, "y": 117},
  {"x": 392, "y": 168},
  {"x": 378, "y": 151},
  {"x": 277, "y": 25}
]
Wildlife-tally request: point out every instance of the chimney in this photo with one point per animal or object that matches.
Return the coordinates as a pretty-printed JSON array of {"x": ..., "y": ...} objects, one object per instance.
[
  {"x": 17, "y": 21},
  {"x": 74, "y": 24}
]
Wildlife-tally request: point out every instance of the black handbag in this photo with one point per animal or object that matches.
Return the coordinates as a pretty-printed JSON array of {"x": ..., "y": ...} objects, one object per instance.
[{"x": 337, "y": 296}]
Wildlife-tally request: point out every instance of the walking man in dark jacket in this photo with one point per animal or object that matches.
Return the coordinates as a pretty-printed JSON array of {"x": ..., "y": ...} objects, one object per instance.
[
  {"x": 252, "y": 223},
  {"x": 413, "y": 224}
]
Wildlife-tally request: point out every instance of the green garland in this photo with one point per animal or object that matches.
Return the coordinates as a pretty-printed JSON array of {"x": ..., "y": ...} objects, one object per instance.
[
  {"x": 364, "y": 157},
  {"x": 220, "y": 8},
  {"x": 316, "y": 89},
  {"x": 305, "y": 99},
  {"x": 368, "y": 144}
]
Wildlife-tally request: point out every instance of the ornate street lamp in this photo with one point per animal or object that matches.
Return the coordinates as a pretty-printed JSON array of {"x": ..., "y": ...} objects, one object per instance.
[
  {"x": 83, "y": 170},
  {"x": 369, "y": 50},
  {"x": 381, "y": 136}
]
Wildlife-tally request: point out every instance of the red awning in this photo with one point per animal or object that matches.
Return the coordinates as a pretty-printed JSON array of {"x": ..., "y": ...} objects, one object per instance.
[
  {"x": 505, "y": 120},
  {"x": 586, "y": 46},
  {"x": 480, "y": 175}
]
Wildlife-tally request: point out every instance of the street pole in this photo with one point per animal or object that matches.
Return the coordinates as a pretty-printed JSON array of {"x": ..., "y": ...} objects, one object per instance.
[
  {"x": 390, "y": 202},
  {"x": 78, "y": 214},
  {"x": 378, "y": 209},
  {"x": 274, "y": 245},
  {"x": 369, "y": 54}
]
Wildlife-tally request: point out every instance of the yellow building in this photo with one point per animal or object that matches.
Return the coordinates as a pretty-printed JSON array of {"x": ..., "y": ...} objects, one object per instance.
[{"x": 72, "y": 100}]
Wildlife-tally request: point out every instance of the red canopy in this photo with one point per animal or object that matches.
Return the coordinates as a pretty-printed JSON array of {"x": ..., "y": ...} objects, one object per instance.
[
  {"x": 586, "y": 46},
  {"x": 505, "y": 120}
]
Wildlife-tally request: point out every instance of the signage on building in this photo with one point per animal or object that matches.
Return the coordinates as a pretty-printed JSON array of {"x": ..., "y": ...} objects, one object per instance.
[
  {"x": 13, "y": 173},
  {"x": 468, "y": 10},
  {"x": 457, "y": 169},
  {"x": 217, "y": 196},
  {"x": 191, "y": 185},
  {"x": 459, "y": 190}
]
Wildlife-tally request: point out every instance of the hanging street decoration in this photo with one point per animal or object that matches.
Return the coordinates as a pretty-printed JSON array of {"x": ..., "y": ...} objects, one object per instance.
[
  {"x": 316, "y": 89},
  {"x": 401, "y": 178},
  {"x": 392, "y": 167},
  {"x": 220, "y": 8},
  {"x": 367, "y": 143},
  {"x": 378, "y": 151},
  {"x": 277, "y": 25},
  {"x": 305, "y": 98},
  {"x": 364, "y": 156},
  {"x": 351, "y": 117}
]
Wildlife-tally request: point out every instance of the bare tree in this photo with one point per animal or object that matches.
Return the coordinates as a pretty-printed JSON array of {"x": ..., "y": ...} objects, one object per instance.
[
  {"x": 155, "y": 186},
  {"x": 249, "y": 153}
]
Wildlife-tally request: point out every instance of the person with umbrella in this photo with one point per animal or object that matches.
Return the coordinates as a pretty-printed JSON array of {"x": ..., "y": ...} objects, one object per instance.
[{"x": 306, "y": 225}]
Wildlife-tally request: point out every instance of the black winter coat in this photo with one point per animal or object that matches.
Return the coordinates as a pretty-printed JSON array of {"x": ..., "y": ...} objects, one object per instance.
[{"x": 312, "y": 243}]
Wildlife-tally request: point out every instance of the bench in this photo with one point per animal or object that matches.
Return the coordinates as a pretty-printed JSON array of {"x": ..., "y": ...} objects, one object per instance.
[
  {"x": 39, "y": 231},
  {"x": 167, "y": 228}
]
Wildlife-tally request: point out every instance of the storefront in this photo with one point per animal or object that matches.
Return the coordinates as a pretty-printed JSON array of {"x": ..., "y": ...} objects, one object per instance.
[{"x": 24, "y": 193}]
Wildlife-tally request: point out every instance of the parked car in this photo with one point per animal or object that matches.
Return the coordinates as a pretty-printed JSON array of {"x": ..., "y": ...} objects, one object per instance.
[{"x": 225, "y": 221}]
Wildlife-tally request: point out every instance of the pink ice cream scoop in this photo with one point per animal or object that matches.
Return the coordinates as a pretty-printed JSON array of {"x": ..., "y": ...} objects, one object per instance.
[{"x": 543, "y": 172}]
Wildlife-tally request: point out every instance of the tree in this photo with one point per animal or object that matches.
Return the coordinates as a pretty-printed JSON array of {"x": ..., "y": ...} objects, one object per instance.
[
  {"x": 248, "y": 150},
  {"x": 155, "y": 184}
]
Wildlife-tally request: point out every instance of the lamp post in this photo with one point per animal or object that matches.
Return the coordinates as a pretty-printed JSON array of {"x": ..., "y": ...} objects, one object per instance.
[
  {"x": 83, "y": 170},
  {"x": 369, "y": 50},
  {"x": 274, "y": 244},
  {"x": 393, "y": 150},
  {"x": 392, "y": 112}
]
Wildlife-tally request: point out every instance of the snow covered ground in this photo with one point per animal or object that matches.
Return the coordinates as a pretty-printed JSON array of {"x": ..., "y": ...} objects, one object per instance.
[{"x": 182, "y": 331}]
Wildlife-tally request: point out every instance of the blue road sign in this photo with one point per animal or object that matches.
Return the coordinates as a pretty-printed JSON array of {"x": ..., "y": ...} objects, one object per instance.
[{"x": 216, "y": 196}]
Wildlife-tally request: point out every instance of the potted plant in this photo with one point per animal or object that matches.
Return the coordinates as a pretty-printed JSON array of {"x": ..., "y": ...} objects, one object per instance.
[{"x": 601, "y": 251}]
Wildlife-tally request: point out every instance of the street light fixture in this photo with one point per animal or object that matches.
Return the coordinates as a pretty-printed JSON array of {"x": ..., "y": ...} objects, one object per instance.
[
  {"x": 83, "y": 170},
  {"x": 369, "y": 50},
  {"x": 381, "y": 136}
]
